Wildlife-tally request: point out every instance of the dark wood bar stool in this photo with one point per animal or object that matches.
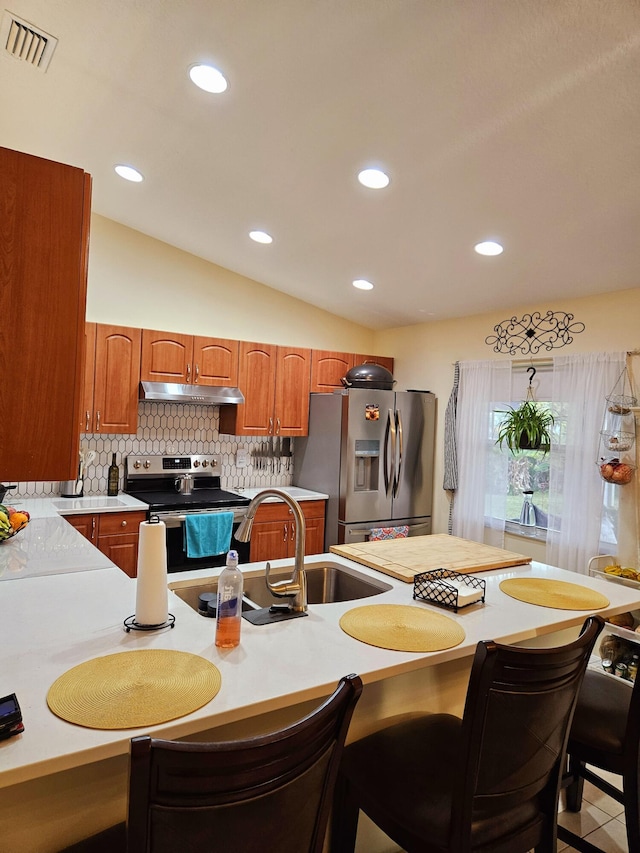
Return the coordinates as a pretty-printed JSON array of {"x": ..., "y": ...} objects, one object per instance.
[
  {"x": 271, "y": 792},
  {"x": 605, "y": 734},
  {"x": 486, "y": 783}
]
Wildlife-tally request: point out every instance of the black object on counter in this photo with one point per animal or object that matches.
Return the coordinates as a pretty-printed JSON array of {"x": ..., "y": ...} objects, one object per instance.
[
  {"x": 10, "y": 717},
  {"x": 4, "y": 489}
]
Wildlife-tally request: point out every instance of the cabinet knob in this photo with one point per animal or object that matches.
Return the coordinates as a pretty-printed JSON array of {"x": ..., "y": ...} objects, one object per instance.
[{"x": 123, "y": 524}]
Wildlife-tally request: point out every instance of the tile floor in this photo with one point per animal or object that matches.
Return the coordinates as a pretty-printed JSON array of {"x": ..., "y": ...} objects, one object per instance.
[{"x": 601, "y": 819}]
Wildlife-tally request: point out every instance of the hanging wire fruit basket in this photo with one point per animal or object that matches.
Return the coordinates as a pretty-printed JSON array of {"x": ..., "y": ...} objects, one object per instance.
[
  {"x": 615, "y": 471},
  {"x": 618, "y": 442},
  {"x": 621, "y": 404}
]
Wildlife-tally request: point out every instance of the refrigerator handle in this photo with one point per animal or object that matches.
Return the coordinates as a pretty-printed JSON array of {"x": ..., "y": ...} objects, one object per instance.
[
  {"x": 396, "y": 481},
  {"x": 389, "y": 469}
]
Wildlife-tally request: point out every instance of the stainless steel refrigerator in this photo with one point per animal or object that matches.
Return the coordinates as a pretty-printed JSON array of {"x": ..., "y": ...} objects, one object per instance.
[{"x": 371, "y": 451}]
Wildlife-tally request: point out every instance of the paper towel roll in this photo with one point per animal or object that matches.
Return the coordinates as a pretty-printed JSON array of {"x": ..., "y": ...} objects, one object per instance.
[{"x": 151, "y": 591}]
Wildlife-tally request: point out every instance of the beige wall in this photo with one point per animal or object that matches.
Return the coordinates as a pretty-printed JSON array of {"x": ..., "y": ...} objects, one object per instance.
[
  {"x": 425, "y": 355},
  {"x": 137, "y": 281}
]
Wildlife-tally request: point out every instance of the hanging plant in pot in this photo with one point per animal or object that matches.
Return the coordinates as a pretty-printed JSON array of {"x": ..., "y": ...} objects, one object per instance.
[{"x": 526, "y": 428}]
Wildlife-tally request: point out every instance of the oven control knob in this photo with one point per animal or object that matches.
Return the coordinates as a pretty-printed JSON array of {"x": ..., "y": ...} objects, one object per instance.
[
  {"x": 147, "y": 463},
  {"x": 196, "y": 463},
  {"x": 213, "y": 463},
  {"x": 137, "y": 464},
  {"x": 204, "y": 463}
]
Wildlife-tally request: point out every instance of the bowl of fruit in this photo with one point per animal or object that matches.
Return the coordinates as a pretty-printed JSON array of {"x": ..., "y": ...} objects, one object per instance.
[{"x": 12, "y": 521}]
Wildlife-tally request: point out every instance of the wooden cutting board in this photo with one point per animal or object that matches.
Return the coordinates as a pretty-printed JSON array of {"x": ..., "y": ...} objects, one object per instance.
[{"x": 405, "y": 558}]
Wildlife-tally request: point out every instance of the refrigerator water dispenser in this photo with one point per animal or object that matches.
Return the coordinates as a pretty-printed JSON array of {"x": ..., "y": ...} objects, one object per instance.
[{"x": 366, "y": 461}]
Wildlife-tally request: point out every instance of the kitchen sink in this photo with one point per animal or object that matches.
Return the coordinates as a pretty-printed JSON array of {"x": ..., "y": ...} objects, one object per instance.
[{"x": 327, "y": 583}]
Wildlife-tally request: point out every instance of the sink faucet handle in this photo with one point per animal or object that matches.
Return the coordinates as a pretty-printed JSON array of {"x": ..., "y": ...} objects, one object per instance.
[{"x": 282, "y": 589}]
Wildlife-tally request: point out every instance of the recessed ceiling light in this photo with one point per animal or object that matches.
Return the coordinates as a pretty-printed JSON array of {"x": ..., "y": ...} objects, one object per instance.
[
  {"x": 261, "y": 236},
  {"x": 375, "y": 179},
  {"x": 208, "y": 78},
  {"x": 129, "y": 173},
  {"x": 362, "y": 284},
  {"x": 488, "y": 247}
]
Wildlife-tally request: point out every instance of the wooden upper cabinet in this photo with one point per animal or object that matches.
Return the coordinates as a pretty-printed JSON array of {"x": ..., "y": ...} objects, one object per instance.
[
  {"x": 215, "y": 361},
  {"x": 45, "y": 210},
  {"x": 86, "y": 412},
  {"x": 328, "y": 368},
  {"x": 166, "y": 357},
  {"x": 275, "y": 383},
  {"x": 116, "y": 379},
  {"x": 383, "y": 360},
  {"x": 188, "y": 359},
  {"x": 256, "y": 380},
  {"x": 293, "y": 376}
]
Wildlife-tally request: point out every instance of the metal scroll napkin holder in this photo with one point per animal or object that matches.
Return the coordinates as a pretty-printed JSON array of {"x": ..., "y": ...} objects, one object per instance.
[{"x": 432, "y": 586}]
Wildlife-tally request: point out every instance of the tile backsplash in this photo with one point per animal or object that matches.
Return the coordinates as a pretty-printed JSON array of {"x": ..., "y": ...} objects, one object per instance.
[{"x": 173, "y": 429}]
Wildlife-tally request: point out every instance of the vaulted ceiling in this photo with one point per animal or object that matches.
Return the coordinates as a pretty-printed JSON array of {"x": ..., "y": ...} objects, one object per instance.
[{"x": 513, "y": 120}]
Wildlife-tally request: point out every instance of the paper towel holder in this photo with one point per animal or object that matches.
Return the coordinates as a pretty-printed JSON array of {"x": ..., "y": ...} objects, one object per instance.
[{"x": 130, "y": 623}]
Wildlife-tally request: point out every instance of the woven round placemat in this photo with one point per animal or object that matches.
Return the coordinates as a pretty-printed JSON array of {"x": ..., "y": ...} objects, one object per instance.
[
  {"x": 131, "y": 689},
  {"x": 402, "y": 628},
  {"x": 550, "y": 593}
]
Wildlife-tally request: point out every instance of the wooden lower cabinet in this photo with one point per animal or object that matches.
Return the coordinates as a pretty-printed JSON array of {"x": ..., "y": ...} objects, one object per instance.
[
  {"x": 113, "y": 533},
  {"x": 274, "y": 532}
]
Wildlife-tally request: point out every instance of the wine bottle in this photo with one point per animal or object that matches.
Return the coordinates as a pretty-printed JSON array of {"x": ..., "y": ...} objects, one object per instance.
[{"x": 114, "y": 478}]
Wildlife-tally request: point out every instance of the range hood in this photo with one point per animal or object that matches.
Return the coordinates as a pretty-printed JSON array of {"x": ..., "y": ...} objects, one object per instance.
[{"x": 200, "y": 395}]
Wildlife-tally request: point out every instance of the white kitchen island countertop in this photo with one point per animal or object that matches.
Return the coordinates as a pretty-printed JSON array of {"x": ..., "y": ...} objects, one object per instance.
[
  {"x": 54, "y": 622},
  {"x": 50, "y": 545}
]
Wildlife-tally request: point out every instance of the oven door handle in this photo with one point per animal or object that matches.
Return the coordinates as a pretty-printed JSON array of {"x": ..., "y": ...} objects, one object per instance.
[{"x": 172, "y": 520}]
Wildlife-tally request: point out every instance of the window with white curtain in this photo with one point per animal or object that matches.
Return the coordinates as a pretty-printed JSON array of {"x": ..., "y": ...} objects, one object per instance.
[{"x": 580, "y": 509}]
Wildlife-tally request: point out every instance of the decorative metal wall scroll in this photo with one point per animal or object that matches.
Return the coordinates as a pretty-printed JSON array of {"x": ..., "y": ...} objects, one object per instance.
[{"x": 534, "y": 332}]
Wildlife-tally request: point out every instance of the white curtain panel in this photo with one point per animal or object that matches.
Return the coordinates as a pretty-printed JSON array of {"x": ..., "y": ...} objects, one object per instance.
[
  {"x": 576, "y": 490},
  {"x": 480, "y": 500}
]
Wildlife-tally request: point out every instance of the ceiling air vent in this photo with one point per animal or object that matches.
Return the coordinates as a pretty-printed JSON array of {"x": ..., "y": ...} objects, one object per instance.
[{"x": 25, "y": 42}]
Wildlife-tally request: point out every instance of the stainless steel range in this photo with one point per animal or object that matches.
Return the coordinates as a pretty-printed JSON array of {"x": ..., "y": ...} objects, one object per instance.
[{"x": 175, "y": 486}]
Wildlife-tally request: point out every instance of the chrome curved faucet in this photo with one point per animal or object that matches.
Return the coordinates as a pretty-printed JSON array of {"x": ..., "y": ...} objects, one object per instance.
[{"x": 295, "y": 587}]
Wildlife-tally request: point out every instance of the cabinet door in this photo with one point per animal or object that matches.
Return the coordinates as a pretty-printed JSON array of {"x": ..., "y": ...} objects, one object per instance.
[
  {"x": 45, "y": 209},
  {"x": 314, "y": 538},
  {"x": 383, "y": 360},
  {"x": 215, "y": 361},
  {"x": 328, "y": 368},
  {"x": 121, "y": 550},
  {"x": 270, "y": 540},
  {"x": 85, "y": 524},
  {"x": 293, "y": 376},
  {"x": 86, "y": 420},
  {"x": 256, "y": 380},
  {"x": 166, "y": 357},
  {"x": 117, "y": 375}
]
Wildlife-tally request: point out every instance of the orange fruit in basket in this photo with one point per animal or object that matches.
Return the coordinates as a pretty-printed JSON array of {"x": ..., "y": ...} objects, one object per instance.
[{"x": 18, "y": 520}]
